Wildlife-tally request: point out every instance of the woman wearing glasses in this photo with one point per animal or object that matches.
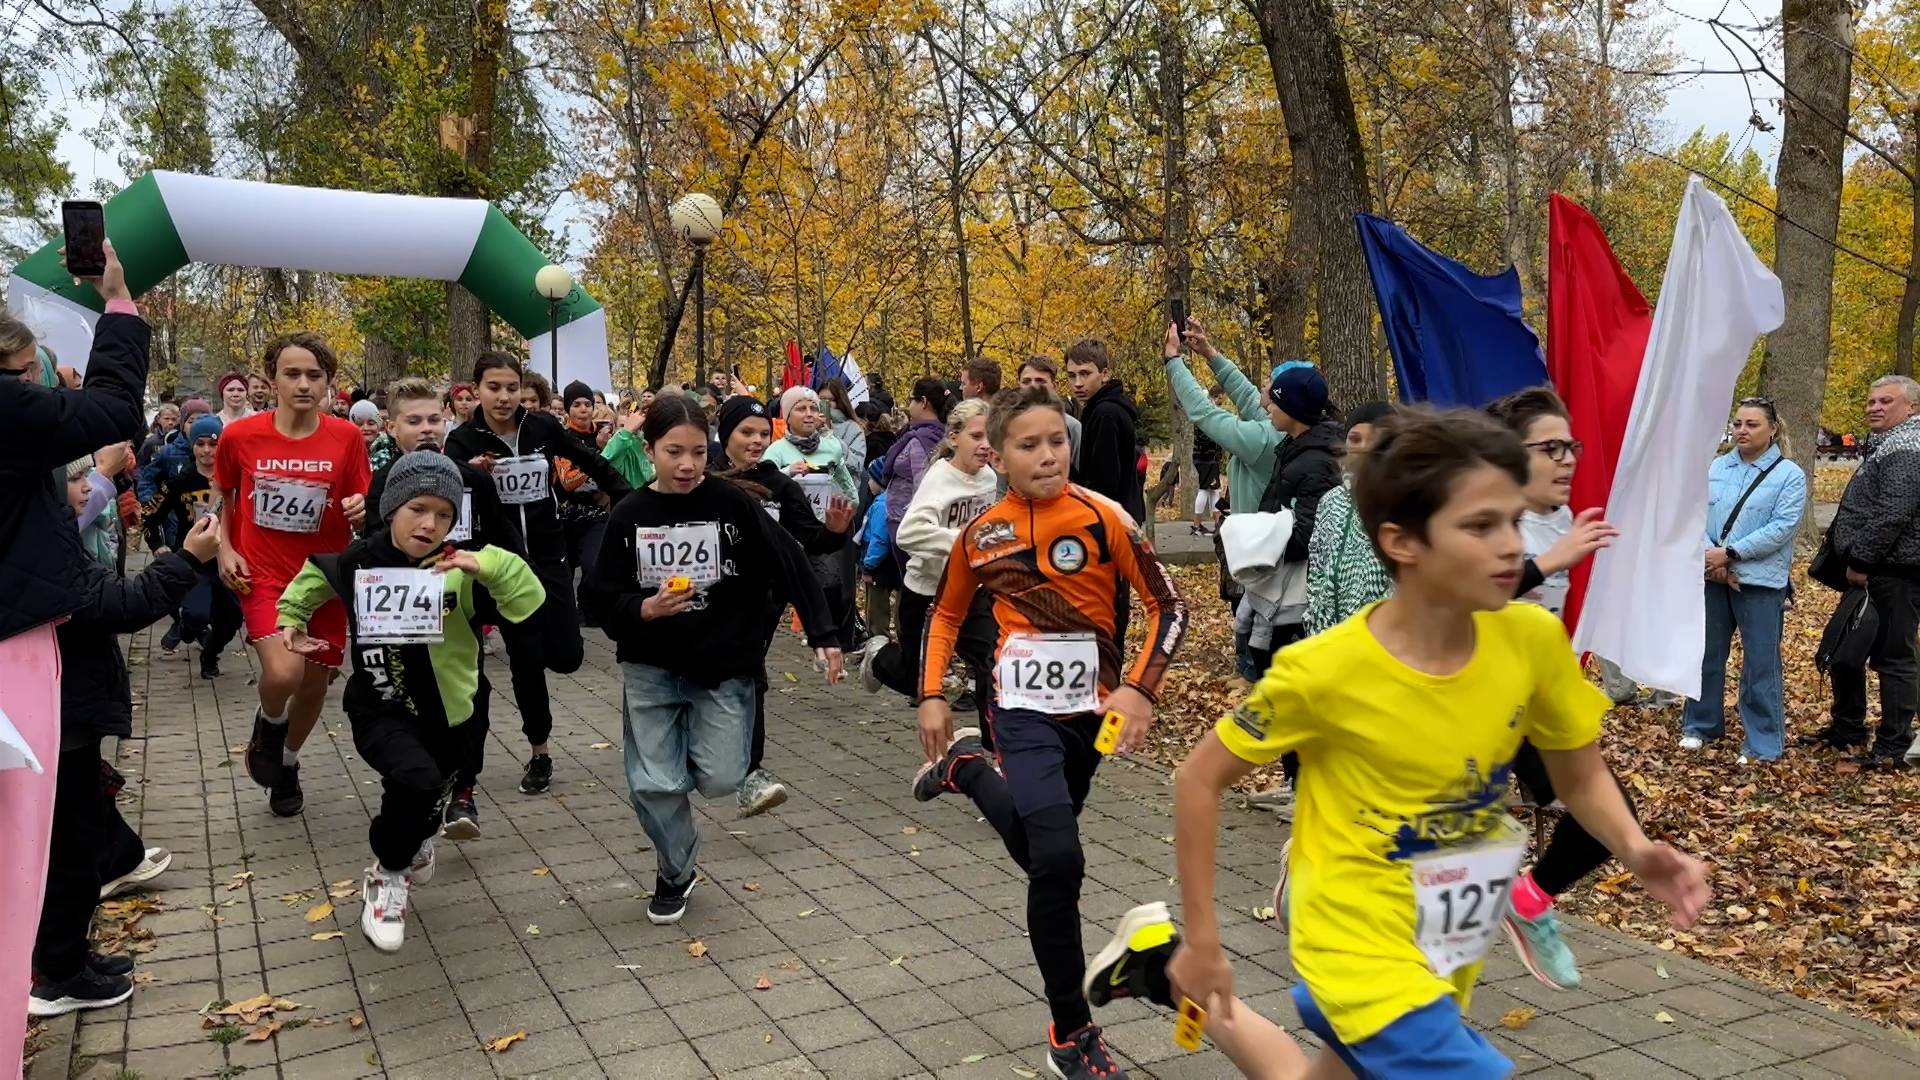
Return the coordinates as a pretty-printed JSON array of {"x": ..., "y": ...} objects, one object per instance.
[{"x": 1755, "y": 497}]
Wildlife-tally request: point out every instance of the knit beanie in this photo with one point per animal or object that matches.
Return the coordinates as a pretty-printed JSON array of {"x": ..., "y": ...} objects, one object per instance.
[
  {"x": 574, "y": 392},
  {"x": 732, "y": 412},
  {"x": 206, "y": 427},
  {"x": 220, "y": 387},
  {"x": 423, "y": 472},
  {"x": 78, "y": 467},
  {"x": 794, "y": 395},
  {"x": 1301, "y": 392},
  {"x": 193, "y": 407},
  {"x": 363, "y": 410}
]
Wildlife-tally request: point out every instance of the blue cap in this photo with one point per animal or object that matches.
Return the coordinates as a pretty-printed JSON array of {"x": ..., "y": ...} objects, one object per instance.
[
  {"x": 204, "y": 427},
  {"x": 1301, "y": 392}
]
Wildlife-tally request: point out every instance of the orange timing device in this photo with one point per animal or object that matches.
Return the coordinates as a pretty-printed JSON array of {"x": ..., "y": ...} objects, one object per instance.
[
  {"x": 1109, "y": 738},
  {"x": 1186, "y": 1030},
  {"x": 679, "y": 583}
]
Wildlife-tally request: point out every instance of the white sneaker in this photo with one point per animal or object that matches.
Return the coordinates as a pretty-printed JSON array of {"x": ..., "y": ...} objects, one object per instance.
[
  {"x": 868, "y": 680},
  {"x": 1741, "y": 760},
  {"x": 1691, "y": 742},
  {"x": 155, "y": 863},
  {"x": 422, "y": 869},
  {"x": 383, "y": 910},
  {"x": 1280, "y": 887}
]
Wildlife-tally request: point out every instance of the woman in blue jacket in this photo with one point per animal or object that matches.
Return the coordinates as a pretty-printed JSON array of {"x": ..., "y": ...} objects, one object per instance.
[{"x": 1755, "y": 497}]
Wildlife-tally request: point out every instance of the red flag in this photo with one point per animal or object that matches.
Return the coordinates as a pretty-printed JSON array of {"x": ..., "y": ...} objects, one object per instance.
[
  {"x": 1597, "y": 326},
  {"x": 795, "y": 373}
]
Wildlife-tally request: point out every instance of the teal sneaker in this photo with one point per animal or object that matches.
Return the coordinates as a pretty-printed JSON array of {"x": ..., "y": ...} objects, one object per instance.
[{"x": 1541, "y": 949}]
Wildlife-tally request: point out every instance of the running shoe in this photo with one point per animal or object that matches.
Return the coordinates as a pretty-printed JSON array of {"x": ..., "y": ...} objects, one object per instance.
[
  {"x": 264, "y": 750},
  {"x": 538, "y": 777},
  {"x": 461, "y": 819},
  {"x": 86, "y": 990},
  {"x": 1280, "y": 887},
  {"x": 669, "y": 902},
  {"x": 760, "y": 792},
  {"x": 170, "y": 641},
  {"x": 1082, "y": 1055},
  {"x": 109, "y": 964},
  {"x": 153, "y": 863},
  {"x": 936, "y": 777},
  {"x": 421, "y": 870},
  {"x": 383, "y": 909},
  {"x": 869, "y": 678},
  {"x": 1541, "y": 949},
  {"x": 1133, "y": 964},
  {"x": 285, "y": 798},
  {"x": 1691, "y": 742},
  {"x": 209, "y": 665}
]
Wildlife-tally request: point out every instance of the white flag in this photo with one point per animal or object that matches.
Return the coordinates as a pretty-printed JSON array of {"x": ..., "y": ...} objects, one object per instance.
[
  {"x": 1645, "y": 607},
  {"x": 856, "y": 382}
]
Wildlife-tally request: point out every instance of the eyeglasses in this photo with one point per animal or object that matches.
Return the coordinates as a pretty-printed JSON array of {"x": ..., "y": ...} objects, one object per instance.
[{"x": 1558, "y": 450}]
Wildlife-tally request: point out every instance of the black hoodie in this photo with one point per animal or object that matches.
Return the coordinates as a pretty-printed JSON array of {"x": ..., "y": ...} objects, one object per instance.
[
  {"x": 1308, "y": 466},
  {"x": 537, "y": 433},
  {"x": 1108, "y": 424}
]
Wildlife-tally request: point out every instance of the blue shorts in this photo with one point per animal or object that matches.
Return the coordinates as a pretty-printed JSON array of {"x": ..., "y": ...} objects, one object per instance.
[{"x": 1432, "y": 1042}]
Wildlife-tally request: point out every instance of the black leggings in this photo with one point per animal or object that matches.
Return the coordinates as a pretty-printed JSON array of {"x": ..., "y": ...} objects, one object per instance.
[
  {"x": 549, "y": 641},
  {"x": 418, "y": 763},
  {"x": 897, "y": 666},
  {"x": 1572, "y": 853},
  {"x": 89, "y": 838}
]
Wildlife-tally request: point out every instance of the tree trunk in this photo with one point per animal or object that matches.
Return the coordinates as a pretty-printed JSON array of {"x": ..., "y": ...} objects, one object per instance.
[
  {"x": 1177, "y": 209},
  {"x": 1517, "y": 226},
  {"x": 1818, "y": 63},
  {"x": 1910, "y": 292},
  {"x": 1329, "y": 183},
  {"x": 1290, "y": 291},
  {"x": 382, "y": 364},
  {"x": 470, "y": 331}
]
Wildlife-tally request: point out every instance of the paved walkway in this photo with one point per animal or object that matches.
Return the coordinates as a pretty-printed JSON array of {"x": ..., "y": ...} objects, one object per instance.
[{"x": 853, "y": 933}]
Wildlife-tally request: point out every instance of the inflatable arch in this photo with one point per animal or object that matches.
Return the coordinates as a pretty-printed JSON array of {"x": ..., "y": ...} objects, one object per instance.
[{"x": 164, "y": 220}]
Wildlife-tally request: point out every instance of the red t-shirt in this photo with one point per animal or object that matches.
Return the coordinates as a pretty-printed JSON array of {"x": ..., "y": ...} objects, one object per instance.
[{"x": 283, "y": 495}]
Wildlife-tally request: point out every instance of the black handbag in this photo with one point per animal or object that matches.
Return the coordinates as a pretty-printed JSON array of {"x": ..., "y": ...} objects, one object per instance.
[
  {"x": 1849, "y": 635},
  {"x": 1827, "y": 567}
]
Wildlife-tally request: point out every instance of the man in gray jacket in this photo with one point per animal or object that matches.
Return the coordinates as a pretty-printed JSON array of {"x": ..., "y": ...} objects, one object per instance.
[{"x": 1875, "y": 533}]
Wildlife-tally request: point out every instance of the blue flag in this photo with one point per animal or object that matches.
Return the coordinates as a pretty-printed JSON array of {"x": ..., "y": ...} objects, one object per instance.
[
  {"x": 826, "y": 367},
  {"x": 1457, "y": 337}
]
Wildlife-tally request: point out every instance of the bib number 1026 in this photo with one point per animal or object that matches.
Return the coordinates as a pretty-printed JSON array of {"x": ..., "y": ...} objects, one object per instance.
[{"x": 689, "y": 551}]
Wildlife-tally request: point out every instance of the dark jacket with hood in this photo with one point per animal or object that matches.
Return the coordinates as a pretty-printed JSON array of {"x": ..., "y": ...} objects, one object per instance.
[
  {"x": 96, "y": 699},
  {"x": 43, "y": 571},
  {"x": 539, "y": 433},
  {"x": 1306, "y": 467},
  {"x": 1877, "y": 526},
  {"x": 1109, "y": 424}
]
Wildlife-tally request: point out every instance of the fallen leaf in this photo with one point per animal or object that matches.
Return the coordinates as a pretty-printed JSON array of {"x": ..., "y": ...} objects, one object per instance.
[
  {"x": 791, "y": 677},
  {"x": 600, "y": 746},
  {"x": 1660, "y": 969},
  {"x": 697, "y": 948},
  {"x": 809, "y": 912},
  {"x": 750, "y": 886},
  {"x": 897, "y": 961},
  {"x": 1517, "y": 1018},
  {"x": 343, "y": 890},
  {"x": 1664, "y": 1017},
  {"x": 1022, "y": 1070},
  {"x": 356, "y": 1021},
  {"x": 540, "y": 871},
  {"x": 295, "y": 899},
  {"x": 532, "y": 930},
  {"x": 257, "y": 1003},
  {"x": 1264, "y": 914},
  {"x": 763, "y": 983},
  {"x": 910, "y": 830},
  {"x": 768, "y": 1037},
  {"x": 319, "y": 911},
  {"x": 626, "y": 967},
  {"x": 500, "y": 1045},
  {"x": 329, "y": 935},
  {"x": 263, "y": 1032}
]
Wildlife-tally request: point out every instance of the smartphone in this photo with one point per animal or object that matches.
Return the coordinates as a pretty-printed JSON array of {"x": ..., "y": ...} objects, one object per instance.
[
  {"x": 85, "y": 223},
  {"x": 1177, "y": 310}
]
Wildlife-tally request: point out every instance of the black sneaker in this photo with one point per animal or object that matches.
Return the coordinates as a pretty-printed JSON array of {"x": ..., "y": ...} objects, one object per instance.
[
  {"x": 1082, "y": 1056},
  {"x": 87, "y": 990},
  {"x": 1134, "y": 963},
  {"x": 209, "y": 666},
  {"x": 1834, "y": 737},
  {"x": 1884, "y": 758},
  {"x": 963, "y": 702},
  {"x": 285, "y": 797},
  {"x": 461, "y": 819},
  {"x": 109, "y": 964},
  {"x": 936, "y": 777},
  {"x": 669, "y": 902},
  {"x": 264, "y": 750},
  {"x": 538, "y": 776}
]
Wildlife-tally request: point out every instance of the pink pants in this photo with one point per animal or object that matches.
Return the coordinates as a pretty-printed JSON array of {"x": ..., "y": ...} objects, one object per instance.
[{"x": 30, "y": 694}]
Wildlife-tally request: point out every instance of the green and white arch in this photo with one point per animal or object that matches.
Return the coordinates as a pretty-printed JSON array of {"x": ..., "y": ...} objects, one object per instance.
[{"x": 165, "y": 220}]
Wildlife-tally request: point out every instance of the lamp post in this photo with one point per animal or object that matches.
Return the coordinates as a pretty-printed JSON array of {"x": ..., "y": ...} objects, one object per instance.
[
  {"x": 696, "y": 217},
  {"x": 556, "y": 284}
]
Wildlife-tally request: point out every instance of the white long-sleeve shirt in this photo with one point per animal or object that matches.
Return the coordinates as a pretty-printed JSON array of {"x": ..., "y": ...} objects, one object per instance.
[{"x": 946, "y": 500}]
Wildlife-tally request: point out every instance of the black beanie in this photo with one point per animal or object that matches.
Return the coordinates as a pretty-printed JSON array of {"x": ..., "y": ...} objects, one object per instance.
[
  {"x": 732, "y": 412},
  {"x": 575, "y": 391}
]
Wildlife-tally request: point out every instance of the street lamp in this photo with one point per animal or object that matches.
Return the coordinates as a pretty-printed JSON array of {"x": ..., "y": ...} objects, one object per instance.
[
  {"x": 696, "y": 217},
  {"x": 556, "y": 284}
]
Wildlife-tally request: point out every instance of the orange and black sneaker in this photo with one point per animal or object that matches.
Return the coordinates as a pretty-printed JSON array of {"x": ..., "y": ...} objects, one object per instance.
[
  {"x": 1082, "y": 1055},
  {"x": 936, "y": 777},
  {"x": 1134, "y": 963}
]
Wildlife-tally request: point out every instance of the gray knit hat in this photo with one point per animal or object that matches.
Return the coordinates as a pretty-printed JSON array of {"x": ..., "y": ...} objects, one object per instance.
[{"x": 423, "y": 472}]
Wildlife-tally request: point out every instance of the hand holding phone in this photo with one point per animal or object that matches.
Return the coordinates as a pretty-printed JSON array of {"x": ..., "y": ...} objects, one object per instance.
[{"x": 84, "y": 222}]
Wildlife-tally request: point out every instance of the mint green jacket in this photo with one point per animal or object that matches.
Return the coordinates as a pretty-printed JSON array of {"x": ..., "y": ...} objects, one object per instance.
[{"x": 1246, "y": 434}]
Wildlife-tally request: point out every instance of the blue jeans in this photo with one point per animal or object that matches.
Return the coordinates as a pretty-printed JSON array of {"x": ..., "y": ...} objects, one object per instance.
[
  {"x": 681, "y": 736},
  {"x": 1756, "y": 612}
]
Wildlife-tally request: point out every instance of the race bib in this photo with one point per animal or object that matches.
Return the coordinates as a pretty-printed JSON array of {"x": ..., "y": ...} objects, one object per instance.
[
  {"x": 288, "y": 505},
  {"x": 689, "y": 551},
  {"x": 398, "y": 606},
  {"x": 1460, "y": 895},
  {"x": 463, "y": 525},
  {"x": 819, "y": 490},
  {"x": 1057, "y": 674},
  {"x": 521, "y": 480},
  {"x": 205, "y": 508}
]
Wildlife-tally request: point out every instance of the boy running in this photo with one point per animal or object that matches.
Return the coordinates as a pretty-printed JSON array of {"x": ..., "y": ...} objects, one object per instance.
[
  {"x": 293, "y": 477},
  {"x": 1053, "y": 556},
  {"x": 1407, "y": 718},
  {"x": 411, "y": 599}
]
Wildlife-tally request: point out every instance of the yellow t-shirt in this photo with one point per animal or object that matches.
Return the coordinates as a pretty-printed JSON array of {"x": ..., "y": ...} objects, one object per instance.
[{"x": 1398, "y": 765}]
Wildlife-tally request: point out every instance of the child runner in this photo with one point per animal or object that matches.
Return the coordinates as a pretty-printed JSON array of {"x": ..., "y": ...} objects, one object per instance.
[
  {"x": 519, "y": 447},
  {"x": 743, "y": 432},
  {"x": 1407, "y": 718},
  {"x": 414, "y": 423},
  {"x": 1052, "y": 555},
  {"x": 292, "y": 477},
  {"x": 210, "y": 614},
  {"x": 416, "y": 663},
  {"x": 681, "y": 588}
]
